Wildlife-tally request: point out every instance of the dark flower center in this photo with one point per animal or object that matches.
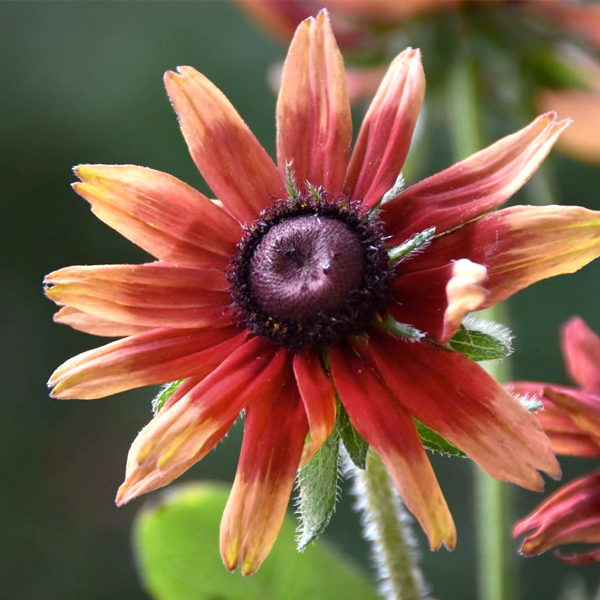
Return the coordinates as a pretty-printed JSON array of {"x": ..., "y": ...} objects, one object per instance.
[
  {"x": 304, "y": 265},
  {"x": 309, "y": 271}
]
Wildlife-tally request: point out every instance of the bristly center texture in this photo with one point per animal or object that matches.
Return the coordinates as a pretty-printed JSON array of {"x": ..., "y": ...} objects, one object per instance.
[{"x": 311, "y": 270}]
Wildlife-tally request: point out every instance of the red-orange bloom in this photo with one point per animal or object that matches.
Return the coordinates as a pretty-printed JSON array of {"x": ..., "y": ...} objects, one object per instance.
[
  {"x": 571, "y": 418},
  {"x": 250, "y": 294}
]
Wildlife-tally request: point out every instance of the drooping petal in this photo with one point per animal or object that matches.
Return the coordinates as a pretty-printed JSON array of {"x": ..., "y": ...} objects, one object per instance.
[
  {"x": 388, "y": 428},
  {"x": 386, "y": 131},
  {"x": 274, "y": 432},
  {"x": 159, "y": 213},
  {"x": 436, "y": 300},
  {"x": 581, "y": 351},
  {"x": 567, "y": 438},
  {"x": 187, "y": 428},
  {"x": 149, "y": 358},
  {"x": 318, "y": 397},
  {"x": 314, "y": 126},
  {"x": 519, "y": 246},
  {"x": 455, "y": 397},
  {"x": 473, "y": 186},
  {"x": 147, "y": 295},
  {"x": 95, "y": 325},
  {"x": 232, "y": 161},
  {"x": 570, "y": 515}
]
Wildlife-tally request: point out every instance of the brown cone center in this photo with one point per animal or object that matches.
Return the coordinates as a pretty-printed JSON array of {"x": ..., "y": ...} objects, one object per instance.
[{"x": 304, "y": 265}]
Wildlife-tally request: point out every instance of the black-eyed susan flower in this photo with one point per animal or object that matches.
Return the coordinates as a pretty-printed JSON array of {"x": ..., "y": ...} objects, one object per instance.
[{"x": 310, "y": 279}]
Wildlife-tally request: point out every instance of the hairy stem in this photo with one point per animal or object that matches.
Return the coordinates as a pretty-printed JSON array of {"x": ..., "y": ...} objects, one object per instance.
[{"x": 386, "y": 525}]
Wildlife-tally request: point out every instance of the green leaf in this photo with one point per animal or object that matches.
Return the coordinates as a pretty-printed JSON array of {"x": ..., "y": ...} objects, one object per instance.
[
  {"x": 353, "y": 441},
  {"x": 318, "y": 491},
  {"x": 435, "y": 442},
  {"x": 290, "y": 183},
  {"x": 482, "y": 340},
  {"x": 165, "y": 392},
  {"x": 530, "y": 404},
  {"x": 414, "y": 244},
  {"x": 402, "y": 330},
  {"x": 395, "y": 189},
  {"x": 177, "y": 550}
]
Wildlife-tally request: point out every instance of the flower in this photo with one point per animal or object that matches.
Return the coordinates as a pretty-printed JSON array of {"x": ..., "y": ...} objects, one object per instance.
[
  {"x": 274, "y": 300},
  {"x": 571, "y": 418},
  {"x": 558, "y": 77}
]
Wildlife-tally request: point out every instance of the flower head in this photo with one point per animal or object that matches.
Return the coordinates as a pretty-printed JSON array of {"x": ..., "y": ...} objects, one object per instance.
[
  {"x": 571, "y": 418},
  {"x": 288, "y": 292}
]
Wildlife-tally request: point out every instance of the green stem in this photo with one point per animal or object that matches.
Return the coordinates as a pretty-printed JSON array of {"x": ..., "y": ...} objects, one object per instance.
[
  {"x": 496, "y": 557},
  {"x": 386, "y": 526},
  {"x": 495, "y": 562}
]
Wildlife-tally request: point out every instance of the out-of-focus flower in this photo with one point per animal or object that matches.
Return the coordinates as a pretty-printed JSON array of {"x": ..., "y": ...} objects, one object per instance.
[
  {"x": 274, "y": 299},
  {"x": 582, "y": 139},
  {"x": 571, "y": 418},
  {"x": 556, "y": 79},
  {"x": 570, "y": 515}
]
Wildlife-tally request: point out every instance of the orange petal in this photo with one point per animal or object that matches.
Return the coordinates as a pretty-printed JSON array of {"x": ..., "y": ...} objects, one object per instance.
[
  {"x": 519, "y": 246},
  {"x": 456, "y": 398},
  {"x": 196, "y": 419},
  {"x": 436, "y": 300},
  {"x": 386, "y": 131},
  {"x": 581, "y": 351},
  {"x": 95, "y": 325},
  {"x": 146, "y": 206},
  {"x": 148, "y": 295},
  {"x": 582, "y": 407},
  {"x": 389, "y": 429},
  {"x": 148, "y": 358},
  {"x": 274, "y": 432},
  {"x": 318, "y": 397},
  {"x": 314, "y": 126},
  {"x": 231, "y": 160},
  {"x": 566, "y": 437},
  {"x": 473, "y": 186}
]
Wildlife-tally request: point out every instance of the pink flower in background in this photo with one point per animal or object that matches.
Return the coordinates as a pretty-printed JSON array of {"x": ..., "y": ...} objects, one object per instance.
[
  {"x": 571, "y": 418},
  {"x": 278, "y": 297}
]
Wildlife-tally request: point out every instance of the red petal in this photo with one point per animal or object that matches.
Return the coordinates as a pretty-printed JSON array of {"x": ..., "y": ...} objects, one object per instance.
[
  {"x": 581, "y": 351},
  {"x": 148, "y": 295},
  {"x": 457, "y": 398},
  {"x": 95, "y": 325},
  {"x": 436, "y": 300},
  {"x": 473, "y": 186},
  {"x": 274, "y": 432},
  {"x": 147, "y": 207},
  {"x": 231, "y": 160},
  {"x": 318, "y": 397},
  {"x": 566, "y": 437},
  {"x": 148, "y": 358},
  {"x": 388, "y": 428},
  {"x": 314, "y": 126},
  {"x": 189, "y": 426},
  {"x": 570, "y": 515},
  {"x": 519, "y": 246},
  {"x": 582, "y": 407},
  {"x": 384, "y": 137}
]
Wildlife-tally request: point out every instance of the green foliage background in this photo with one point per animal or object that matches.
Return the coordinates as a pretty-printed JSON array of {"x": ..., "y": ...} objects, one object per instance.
[{"x": 81, "y": 82}]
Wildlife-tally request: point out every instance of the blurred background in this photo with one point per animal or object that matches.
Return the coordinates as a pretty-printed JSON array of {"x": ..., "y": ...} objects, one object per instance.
[{"x": 82, "y": 83}]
